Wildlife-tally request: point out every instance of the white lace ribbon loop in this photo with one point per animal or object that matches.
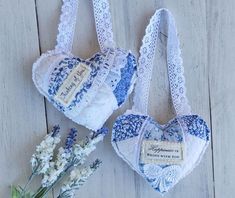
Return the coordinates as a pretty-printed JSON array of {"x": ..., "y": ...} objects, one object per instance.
[
  {"x": 68, "y": 21},
  {"x": 103, "y": 23},
  {"x": 174, "y": 62}
]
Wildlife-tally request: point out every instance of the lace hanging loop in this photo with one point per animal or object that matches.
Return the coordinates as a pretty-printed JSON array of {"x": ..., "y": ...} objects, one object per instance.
[
  {"x": 174, "y": 62},
  {"x": 103, "y": 24},
  {"x": 67, "y": 24}
]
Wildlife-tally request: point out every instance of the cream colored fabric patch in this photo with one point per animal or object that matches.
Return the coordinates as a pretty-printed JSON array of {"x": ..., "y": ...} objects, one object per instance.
[
  {"x": 162, "y": 152},
  {"x": 72, "y": 85}
]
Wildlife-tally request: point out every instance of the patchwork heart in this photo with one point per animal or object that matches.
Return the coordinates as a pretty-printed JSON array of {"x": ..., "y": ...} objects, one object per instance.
[
  {"x": 86, "y": 91},
  {"x": 159, "y": 152}
]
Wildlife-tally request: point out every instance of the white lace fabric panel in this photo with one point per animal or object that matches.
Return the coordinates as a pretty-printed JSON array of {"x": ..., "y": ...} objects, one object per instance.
[
  {"x": 174, "y": 62},
  {"x": 67, "y": 24}
]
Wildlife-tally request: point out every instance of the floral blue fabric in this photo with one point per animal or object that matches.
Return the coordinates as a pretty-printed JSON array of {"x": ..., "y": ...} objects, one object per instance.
[
  {"x": 197, "y": 126},
  {"x": 127, "y": 126},
  {"x": 127, "y": 73},
  {"x": 61, "y": 72},
  {"x": 65, "y": 67}
]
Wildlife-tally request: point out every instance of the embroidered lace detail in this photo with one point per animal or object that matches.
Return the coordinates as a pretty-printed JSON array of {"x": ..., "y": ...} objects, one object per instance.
[
  {"x": 161, "y": 178},
  {"x": 151, "y": 171},
  {"x": 103, "y": 24},
  {"x": 67, "y": 24},
  {"x": 127, "y": 126},
  {"x": 174, "y": 60},
  {"x": 119, "y": 62}
]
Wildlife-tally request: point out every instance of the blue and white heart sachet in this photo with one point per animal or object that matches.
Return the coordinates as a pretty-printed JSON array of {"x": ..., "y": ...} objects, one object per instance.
[
  {"x": 157, "y": 152},
  {"x": 86, "y": 91}
]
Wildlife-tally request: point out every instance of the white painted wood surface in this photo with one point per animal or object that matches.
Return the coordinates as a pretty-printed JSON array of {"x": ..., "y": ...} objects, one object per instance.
[
  {"x": 22, "y": 112},
  {"x": 206, "y": 29},
  {"x": 221, "y": 58}
]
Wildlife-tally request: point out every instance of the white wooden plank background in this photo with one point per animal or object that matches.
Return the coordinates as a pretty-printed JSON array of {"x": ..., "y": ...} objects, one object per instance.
[
  {"x": 22, "y": 113},
  {"x": 206, "y": 29}
]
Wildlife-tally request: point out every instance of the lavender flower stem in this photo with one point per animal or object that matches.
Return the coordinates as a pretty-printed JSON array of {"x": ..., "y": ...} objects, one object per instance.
[
  {"x": 27, "y": 184},
  {"x": 44, "y": 190}
]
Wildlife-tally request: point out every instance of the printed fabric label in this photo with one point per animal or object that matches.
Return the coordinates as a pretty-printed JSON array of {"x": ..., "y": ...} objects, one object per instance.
[
  {"x": 162, "y": 152},
  {"x": 72, "y": 85}
]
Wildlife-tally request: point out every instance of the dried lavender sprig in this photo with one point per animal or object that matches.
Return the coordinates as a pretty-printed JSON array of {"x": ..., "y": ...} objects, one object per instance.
[
  {"x": 78, "y": 157},
  {"x": 44, "y": 152},
  {"x": 55, "y": 131},
  {"x": 103, "y": 131},
  {"x": 82, "y": 150},
  {"x": 62, "y": 160},
  {"x": 77, "y": 178},
  {"x": 71, "y": 139}
]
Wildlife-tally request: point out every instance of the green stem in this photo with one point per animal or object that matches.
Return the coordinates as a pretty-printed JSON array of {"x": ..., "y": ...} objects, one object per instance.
[
  {"x": 22, "y": 194},
  {"x": 29, "y": 181},
  {"x": 42, "y": 191}
]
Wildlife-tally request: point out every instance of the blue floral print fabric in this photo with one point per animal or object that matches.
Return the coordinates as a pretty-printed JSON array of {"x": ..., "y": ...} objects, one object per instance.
[
  {"x": 66, "y": 66},
  {"x": 127, "y": 73},
  {"x": 127, "y": 126},
  {"x": 61, "y": 72}
]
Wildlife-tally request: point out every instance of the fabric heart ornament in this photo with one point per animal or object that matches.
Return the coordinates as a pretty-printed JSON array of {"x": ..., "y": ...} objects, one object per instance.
[
  {"x": 86, "y": 91},
  {"x": 161, "y": 154}
]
